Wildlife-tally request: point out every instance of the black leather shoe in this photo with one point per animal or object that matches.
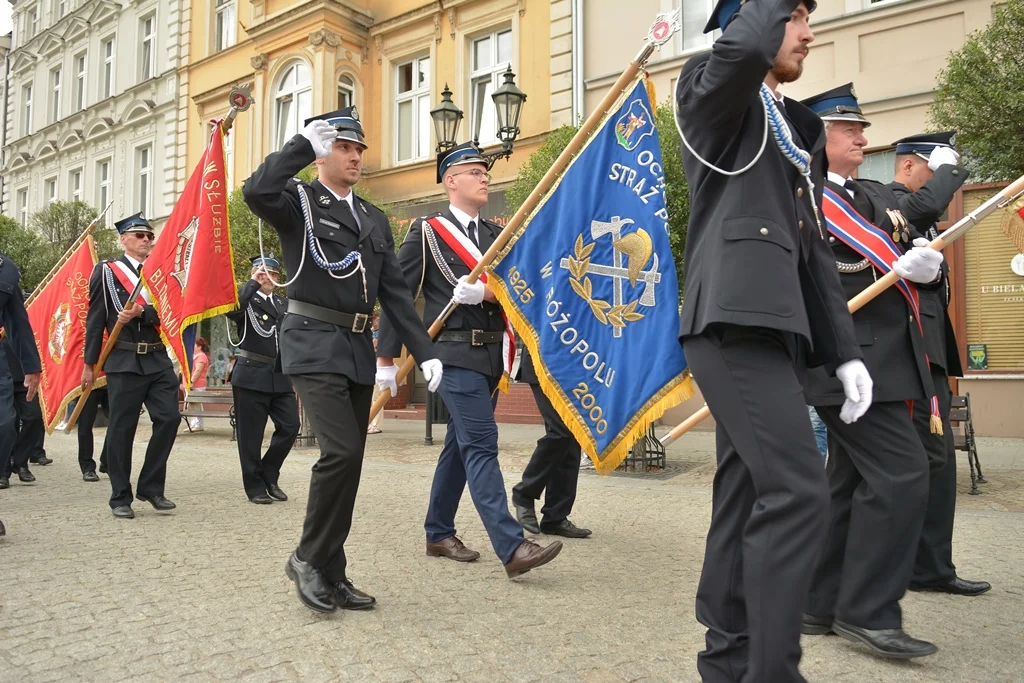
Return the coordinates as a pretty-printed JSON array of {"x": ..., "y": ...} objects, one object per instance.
[
  {"x": 816, "y": 626},
  {"x": 5, "y": 483},
  {"x": 347, "y": 596},
  {"x": 89, "y": 475},
  {"x": 103, "y": 468},
  {"x": 310, "y": 585},
  {"x": 159, "y": 503},
  {"x": 3, "y": 529},
  {"x": 124, "y": 512},
  {"x": 565, "y": 528},
  {"x": 527, "y": 518},
  {"x": 41, "y": 460},
  {"x": 957, "y": 586},
  {"x": 26, "y": 476},
  {"x": 261, "y": 499},
  {"x": 275, "y": 492},
  {"x": 894, "y": 643}
]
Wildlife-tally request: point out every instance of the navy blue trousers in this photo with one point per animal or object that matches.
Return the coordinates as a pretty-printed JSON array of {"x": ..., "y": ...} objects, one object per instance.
[{"x": 470, "y": 455}]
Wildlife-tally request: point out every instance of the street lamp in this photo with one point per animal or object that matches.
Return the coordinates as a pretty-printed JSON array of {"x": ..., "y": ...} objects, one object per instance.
[{"x": 508, "y": 106}]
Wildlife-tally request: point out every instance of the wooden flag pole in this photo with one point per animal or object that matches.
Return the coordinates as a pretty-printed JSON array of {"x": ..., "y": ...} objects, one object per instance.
[
  {"x": 661, "y": 31},
  {"x": 950, "y": 235}
]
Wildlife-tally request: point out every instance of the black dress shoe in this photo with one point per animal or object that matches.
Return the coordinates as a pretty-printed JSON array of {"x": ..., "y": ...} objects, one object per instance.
[
  {"x": 124, "y": 512},
  {"x": 3, "y": 529},
  {"x": 816, "y": 626},
  {"x": 894, "y": 643},
  {"x": 41, "y": 461},
  {"x": 103, "y": 468},
  {"x": 261, "y": 499},
  {"x": 26, "y": 476},
  {"x": 90, "y": 475},
  {"x": 275, "y": 492},
  {"x": 159, "y": 503},
  {"x": 527, "y": 518},
  {"x": 310, "y": 585},
  {"x": 957, "y": 586},
  {"x": 565, "y": 528},
  {"x": 347, "y": 596},
  {"x": 5, "y": 483}
]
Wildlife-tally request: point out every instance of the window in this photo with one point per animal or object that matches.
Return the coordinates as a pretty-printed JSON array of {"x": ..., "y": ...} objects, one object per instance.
[
  {"x": 26, "y": 109},
  {"x": 412, "y": 116},
  {"x": 107, "y": 50},
  {"x": 31, "y": 23},
  {"x": 75, "y": 185},
  {"x": 491, "y": 55},
  {"x": 292, "y": 102},
  {"x": 80, "y": 65},
  {"x": 880, "y": 166},
  {"x": 695, "y": 15},
  {"x": 147, "y": 53},
  {"x": 60, "y": 8},
  {"x": 144, "y": 186},
  {"x": 103, "y": 186},
  {"x": 22, "y": 206},
  {"x": 50, "y": 190},
  {"x": 224, "y": 25},
  {"x": 55, "y": 95},
  {"x": 346, "y": 92}
]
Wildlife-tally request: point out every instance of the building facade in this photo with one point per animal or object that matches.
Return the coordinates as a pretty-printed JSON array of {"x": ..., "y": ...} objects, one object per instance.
[{"x": 90, "y": 112}]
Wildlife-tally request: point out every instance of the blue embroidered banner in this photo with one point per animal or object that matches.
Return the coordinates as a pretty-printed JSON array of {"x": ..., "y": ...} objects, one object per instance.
[{"x": 589, "y": 283}]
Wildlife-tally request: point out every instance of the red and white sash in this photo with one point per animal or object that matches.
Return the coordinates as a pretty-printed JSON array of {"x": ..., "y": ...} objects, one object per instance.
[
  {"x": 470, "y": 254},
  {"x": 128, "y": 279}
]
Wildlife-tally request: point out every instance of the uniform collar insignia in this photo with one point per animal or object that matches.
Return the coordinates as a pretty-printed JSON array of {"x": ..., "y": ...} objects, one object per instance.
[
  {"x": 363, "y": 208},
  {"x": 323, "y": 200}
]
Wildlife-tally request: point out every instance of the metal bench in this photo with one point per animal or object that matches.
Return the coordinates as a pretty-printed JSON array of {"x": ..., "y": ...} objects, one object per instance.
[
  {"x": 963, "y": 437},
  {"x": 210, "y": 396}
]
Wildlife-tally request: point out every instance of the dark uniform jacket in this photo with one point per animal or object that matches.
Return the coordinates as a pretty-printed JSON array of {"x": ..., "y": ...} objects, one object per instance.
[
  {"x": 308, "y": 345},
  {"x": 103, "y": 316},
  {"x": 15, "y": 320},
  {"x": 527, "y": 372},
  {"x": 418, "y": 265},
  {"x": 888, "y": 335},
  {"x": 923, "y": 209},
  {"x": 754, "y": 253},
  {"x": 249, "y": 373}
]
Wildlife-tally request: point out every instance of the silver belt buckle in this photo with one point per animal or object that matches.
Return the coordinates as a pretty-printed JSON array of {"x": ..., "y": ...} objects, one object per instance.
[
  {"x": 472, "y": 338},
  {"x": 359, "y": 322},
  {"x": 141, "y": 348}
]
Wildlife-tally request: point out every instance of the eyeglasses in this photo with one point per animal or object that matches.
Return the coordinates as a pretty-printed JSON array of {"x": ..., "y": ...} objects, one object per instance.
[
  {"x": 476, "y": 173},
  {"x": 143, "y": 236}
]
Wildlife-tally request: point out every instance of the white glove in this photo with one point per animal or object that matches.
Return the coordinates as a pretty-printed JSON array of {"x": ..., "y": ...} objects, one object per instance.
[
  {"x": 321, "y": 135},
  {"x": 469, "y": 294},
  {"x": 857, "y": 387},
  {"x": 432, "y": 373},
  {"x": 941, "y": 156},
  {"x": 387, "y": 378},
  {"x": 920, "y": 264}
]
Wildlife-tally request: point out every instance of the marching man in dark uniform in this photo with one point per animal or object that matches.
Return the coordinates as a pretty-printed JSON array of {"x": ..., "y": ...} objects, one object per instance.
[
  {"x": 86, "y": 444},
  {"x": 138, "y": 371},
  {"x": 19, "y": 337},
  {"x": 927, "y": 177},
  {"x": 761, "y": 292},
  {"x": 553, "y": 470},
  {"x": 260, "y": 387},
  {"x": 341, "y": 252},
  {"x": 877, "y": 468},
  {"x": 31, "y": 432},
  {"x": 475, "y": 347}
]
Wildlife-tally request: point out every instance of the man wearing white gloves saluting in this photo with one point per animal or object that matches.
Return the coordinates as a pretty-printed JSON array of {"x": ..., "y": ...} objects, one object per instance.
[
  {"x": 341, "y": 252},
  {"x": 476, "y": 346}
]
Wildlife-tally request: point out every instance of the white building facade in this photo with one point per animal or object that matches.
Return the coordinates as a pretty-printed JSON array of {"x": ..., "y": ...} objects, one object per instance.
[{"x": 91, "y": 106}]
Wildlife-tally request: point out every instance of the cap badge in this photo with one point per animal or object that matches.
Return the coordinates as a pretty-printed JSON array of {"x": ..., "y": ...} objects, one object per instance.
[
  {"x": 355, "y": 114},
  {"x": 952, "y": 140}
]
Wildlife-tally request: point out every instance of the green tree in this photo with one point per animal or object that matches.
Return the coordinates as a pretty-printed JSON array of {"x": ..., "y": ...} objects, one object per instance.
[
  {"x": 23, "y": 247},
  {"x": 676, "y": 190},
  {"x": 980, "y": 95}
]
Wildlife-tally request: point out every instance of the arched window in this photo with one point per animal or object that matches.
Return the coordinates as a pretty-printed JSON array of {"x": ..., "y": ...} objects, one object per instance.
[
  {"x": 346, "y": 91},
  {"x": 293, "y": 100}
]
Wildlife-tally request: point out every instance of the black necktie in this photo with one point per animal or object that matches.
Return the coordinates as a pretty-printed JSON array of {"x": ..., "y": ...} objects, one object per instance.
[
  {"x": 860, "y": 200},
  {"x": 471, "y": 231}
]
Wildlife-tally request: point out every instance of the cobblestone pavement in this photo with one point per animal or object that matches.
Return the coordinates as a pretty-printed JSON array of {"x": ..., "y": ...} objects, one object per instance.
[{"x": 200, "y": 594}]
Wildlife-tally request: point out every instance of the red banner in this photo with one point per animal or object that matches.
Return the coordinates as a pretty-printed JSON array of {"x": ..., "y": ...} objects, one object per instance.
[
  {"x": 189, "y": 273},
  {"x": 58, "y": 315}
]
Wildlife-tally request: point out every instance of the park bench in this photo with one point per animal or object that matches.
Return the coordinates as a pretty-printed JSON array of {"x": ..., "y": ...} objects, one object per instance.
[
  {"x": 963, "y": 437},
  {"x": 200, "y": 404}
]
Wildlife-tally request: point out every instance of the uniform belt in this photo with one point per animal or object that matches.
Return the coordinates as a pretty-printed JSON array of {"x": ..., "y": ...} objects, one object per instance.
[
  {"x": 354, "y": 321},
  {"x": 259, "y": 357},
  {"x": 474, "y": 337},
  {"x": 140, "y": 348}
]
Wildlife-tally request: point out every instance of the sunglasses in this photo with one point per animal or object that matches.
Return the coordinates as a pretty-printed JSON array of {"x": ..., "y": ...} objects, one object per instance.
[{"x": 142, "y": 235}]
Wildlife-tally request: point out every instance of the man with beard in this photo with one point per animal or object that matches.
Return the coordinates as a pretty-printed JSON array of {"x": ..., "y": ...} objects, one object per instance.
[{"x": 762, "y": 293}]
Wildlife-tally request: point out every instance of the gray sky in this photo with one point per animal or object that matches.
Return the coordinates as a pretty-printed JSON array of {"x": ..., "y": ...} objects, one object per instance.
[{"x": 5, "y": 17}]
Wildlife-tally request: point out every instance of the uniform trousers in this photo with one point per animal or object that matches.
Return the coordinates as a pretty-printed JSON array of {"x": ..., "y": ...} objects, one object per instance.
[
  {"x": 470, "y": 455},
  {"x": 554, "y": 466},
  {"x": 338, "y": 411},
  {"x": 127, "y": 393},
  {"x": 934, "y": 563},
  {"x": 28, "y": 428},
  {"x": 878, "y": 476},
  {"x": 769, "y": 506},
  {"x": 86, "y": 420},
  {"x": 8, "y": 417},
  {"x": 252, "y": 408}
]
